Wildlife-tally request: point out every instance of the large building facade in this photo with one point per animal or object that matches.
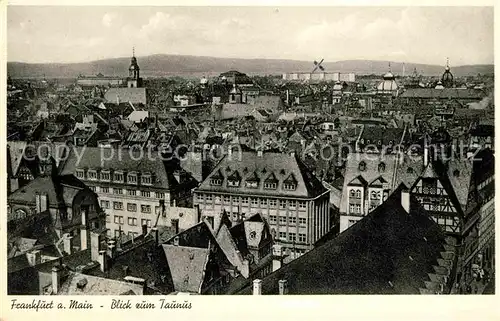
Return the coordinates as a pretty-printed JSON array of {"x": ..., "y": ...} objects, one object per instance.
[{"x": 279, "y": 187}]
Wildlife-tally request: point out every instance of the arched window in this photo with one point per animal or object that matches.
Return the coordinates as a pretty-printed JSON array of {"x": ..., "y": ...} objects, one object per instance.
[
  {"x": 362, "y": 166},
  {"x": 353, "y": 193},
  {"x": 381, "y": 167},
  {"x": 358, "y": 193}
]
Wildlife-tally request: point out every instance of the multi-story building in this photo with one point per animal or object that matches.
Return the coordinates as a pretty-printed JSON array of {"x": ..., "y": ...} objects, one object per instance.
[
  {"x": 134, "y": 191},
  {"x": 278, "y": 186}
]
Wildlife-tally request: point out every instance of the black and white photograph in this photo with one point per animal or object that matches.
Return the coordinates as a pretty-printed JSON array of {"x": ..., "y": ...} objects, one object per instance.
[{"x": 265, "y": 150}]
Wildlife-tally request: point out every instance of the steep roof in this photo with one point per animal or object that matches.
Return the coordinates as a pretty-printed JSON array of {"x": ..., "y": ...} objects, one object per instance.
[
  {"x": 83, "y": 284},
  {"x": 250, "y": 164},
  {"x": 133, "y": 95},
  {"x": 389, "y": 251}
]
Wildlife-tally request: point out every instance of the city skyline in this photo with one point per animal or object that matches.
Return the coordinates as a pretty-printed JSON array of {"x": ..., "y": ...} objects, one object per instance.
[{"x": 53, "y": 34}]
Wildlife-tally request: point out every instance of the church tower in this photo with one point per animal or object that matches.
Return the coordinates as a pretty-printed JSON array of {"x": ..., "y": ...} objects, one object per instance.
[
  {"x": 134, "y": 80},
  {"x": 447, "y": 78}
]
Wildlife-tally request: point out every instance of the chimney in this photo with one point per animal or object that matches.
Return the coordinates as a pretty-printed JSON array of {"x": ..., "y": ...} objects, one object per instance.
[
  {"x": 154, "y": 230},
  {"x": 111, "y": 250},
  {"x": 245, "y": 268},
  {"x": 44, "y": 203},
  {"x": 175, "y": 225},
  {"x": 67, "y": 243},
  {"x": 34, "y": 257},
  {"x": 144, "y": 229},
  {"x": 84, "y": 232},
  {"x": 176, "y": 241},
  {"x": 95, "y": 244},
  {"x": 56, "y": 278},
  {"x": 257, "y": 287},
  {"x": 405, "y": 200},
  {"x": 103, "y": 261},
  {"x": 283, "y": 287},
  {"x": 277, "y": 256}
]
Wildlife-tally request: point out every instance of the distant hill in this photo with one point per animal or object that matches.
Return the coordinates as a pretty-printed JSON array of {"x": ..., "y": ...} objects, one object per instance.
[{"x": 168, "y": 65}]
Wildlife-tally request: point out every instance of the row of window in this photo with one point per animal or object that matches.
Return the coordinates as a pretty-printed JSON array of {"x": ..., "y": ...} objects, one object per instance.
[
  {"x": 272, "y": 185},
  {"x": 374, "y": 195},
  {"x": 131, "y": 207},
  {"x": 485, "y": 182},
  {"x": 354, "y": 208},
  {"x": 129, "y": 192},
  {"x": 132, "y": 221},
  {"x": 292, "y": 204},
  {"x": 130, "y": 234},
  {"x": 292, "y": 237},
  {"x": 116, "y": 176},
  {"x": 283, "y": 220}
]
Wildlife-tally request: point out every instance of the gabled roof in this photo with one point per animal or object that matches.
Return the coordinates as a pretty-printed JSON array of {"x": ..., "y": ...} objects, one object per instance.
[
  {"x": 132, "y": 95},
  {"x": 378, "y": 181},
  {"x": 357, "y": 181},
  {"x": 83, "y": 284}
]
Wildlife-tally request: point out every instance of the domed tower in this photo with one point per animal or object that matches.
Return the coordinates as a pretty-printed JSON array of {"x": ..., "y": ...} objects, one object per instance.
[
  {"x": 134, "y": 80},
  {"x": 447, "y": 78},
  {"x": 388, "y": 84}
]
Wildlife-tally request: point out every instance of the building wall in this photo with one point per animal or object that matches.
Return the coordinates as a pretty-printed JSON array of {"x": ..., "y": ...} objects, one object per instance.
[
  {"x": 99, "y": 81},
  {"x": 296, "y": 223},
  {"x": 347, "y": 221}
]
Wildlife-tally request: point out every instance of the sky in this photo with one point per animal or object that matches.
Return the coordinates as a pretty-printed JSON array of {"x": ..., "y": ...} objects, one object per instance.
[{"x": 411, "y": 34}]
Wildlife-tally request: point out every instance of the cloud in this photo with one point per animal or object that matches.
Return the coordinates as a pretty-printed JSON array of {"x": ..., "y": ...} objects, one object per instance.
[{"x": 108, "y": 19}]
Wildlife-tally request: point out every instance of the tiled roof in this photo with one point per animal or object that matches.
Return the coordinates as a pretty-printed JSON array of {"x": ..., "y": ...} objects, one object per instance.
[
  {"x": 82, "y": 284},
  {"x": 442, "y": 93},
  {"x": 252, "y": 165},
  {"x": 133, "y": 95},
  {"x": 187, "y": 266},
  {"x": 389, "y": 251},
  {"x": 117, "y": 159},
  {"x": 384, "y": 135}
]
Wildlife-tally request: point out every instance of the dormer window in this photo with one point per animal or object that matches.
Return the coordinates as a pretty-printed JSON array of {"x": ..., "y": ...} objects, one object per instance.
[
  {"x": 80, "y": 173},
  {"x": 146, "y": 179},
  {"x": 105, "y": 175},
  {"x": 381, "y": 167},
  {"x": 252, "y": 181},
  {"x": 456, "y": 173},
  {"x": 362, "y": 166},
  {"x": 290, "y": 184},
  {"x": 409, "y": 170},
  {"x": 234, "y": 180},
  {"x": 92, "y": 174},
  {"x": 271, "y": 182},
  {"x": 216, "y": 179},
  {"x": 118, "y": 177},
  {"x": 132, "y": 178}
]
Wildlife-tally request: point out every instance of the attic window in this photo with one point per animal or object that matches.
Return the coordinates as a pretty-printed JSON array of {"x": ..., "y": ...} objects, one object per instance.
[
  {"x": 264, "y": 171},
  {"x": 381, "y": 167},
  {"x": 409, "y": 170},
  {"x": 253, "y": 234},
  {"x": 216, "y": 182},
  {"x": 456, "y": 173},
  {"x": 289, "y": 186},
  {"x": 146, "y": 179},
  {"x": 282, "y": 172},
  {"x": 228, "y": 169},
  {"x": 362, "y": 166},
  {"x": 80, "y": 173},
  {"x": 245, "y": 170},
  {"x": 270, "y": 185},
  {"x": 105, "y": 175}
]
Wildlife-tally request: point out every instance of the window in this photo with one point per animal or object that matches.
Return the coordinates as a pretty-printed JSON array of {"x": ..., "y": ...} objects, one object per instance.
[
  {"x": 302, "y": 238},
  {"x": 157, "y": 210},
  {"x": 255, "y": 201},
  {"x": 118, "y": 177},
  {"x": 145, "y": 194},
  {"x": 282, "y": 204},
  {"x": 233, "y": 183},
  {"x": 117, "y": 233},
  {"x": 282, "y": 235},
  {"x": 358, "y": 194},
  {"x": 108, "y": 218},
  {"x": 209, "y": 197},
  {"x": 351, "y": 208},
  {"x": 351, "y": 223},
  {"x": 118, "y": 205},
  {"x": 375, "y": 195},
  {"x": 282, "y": 220},
  {"x": 292, "y": 220},
  {"x": 146, "y": 208},
  {"x": 104, "y": 204},
  {"x": 352, "y": 193},
  {"x": 105, "y": 190},
  {"x": 292, "y": 237},
  {"x": 92, "y": 174},
  {"x": 118, "y": 219},
  {"x": 289, "y": 186},
  {"x": 292, "y": 204},
  {"x": 93, "y": 188},
  {"x": 358, "y": 208},
  {"x": 117, "y": 191},
  {"x": 132, "y": 221},
  {"x": 104, "y": 175},
  {"x": 244, "y": 200},
  {"x": 131, "y": 207},
  {"x": 160, "y": 195},
  {"x": 131, "y": 192},
  {"x": 272, "y": 203},
  {"x": 251, "y": 184},
  {"x": 80, "y": 173},
  {"x": 146, "y": 222},
  {"x": 302, "y": 221},
  {"x": 302, "y": 204},
  {"x": 216, "y": 182},
  {"x": 132, "y": 178},
  {"x": 272, "y": 219},
  {"x": 270, "y": 185},
  {"x": 133, "y": 235},
  {"x": 227, "y": 199},
  {"x": 146, "y": 179}
]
